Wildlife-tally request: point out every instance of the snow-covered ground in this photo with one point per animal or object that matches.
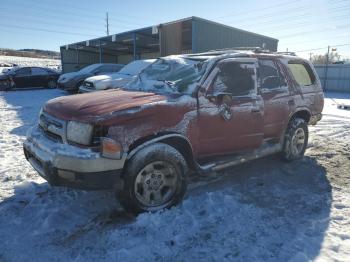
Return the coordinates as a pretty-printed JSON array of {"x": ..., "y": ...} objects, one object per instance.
[
  {"x": 28, "y": 61},
  {"x": 265, "y": 210}
]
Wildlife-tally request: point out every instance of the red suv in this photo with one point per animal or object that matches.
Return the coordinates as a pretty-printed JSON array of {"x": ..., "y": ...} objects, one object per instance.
[{"x": 182, "y": 114}]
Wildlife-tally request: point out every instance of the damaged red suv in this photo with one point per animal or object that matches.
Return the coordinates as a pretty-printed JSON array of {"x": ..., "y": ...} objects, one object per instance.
[{"x": 183, "y": 114}]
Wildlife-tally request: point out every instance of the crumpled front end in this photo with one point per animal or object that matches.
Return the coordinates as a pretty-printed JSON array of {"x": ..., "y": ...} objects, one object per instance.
[{"x": 63, "y": 164}]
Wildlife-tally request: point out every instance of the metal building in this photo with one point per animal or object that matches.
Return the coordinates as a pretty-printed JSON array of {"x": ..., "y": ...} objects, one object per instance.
[{"x": 189, "y": 35}]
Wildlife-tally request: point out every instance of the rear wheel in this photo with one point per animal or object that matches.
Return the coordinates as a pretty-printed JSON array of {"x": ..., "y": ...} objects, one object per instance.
[
  {"x": 155, "y": 178},
  {"x": 5, "y": 85},
  {"x": 296, "y": 139}
]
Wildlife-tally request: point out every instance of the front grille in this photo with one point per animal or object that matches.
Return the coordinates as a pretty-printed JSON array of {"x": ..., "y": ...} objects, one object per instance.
[{"x": 52, "y": 127}]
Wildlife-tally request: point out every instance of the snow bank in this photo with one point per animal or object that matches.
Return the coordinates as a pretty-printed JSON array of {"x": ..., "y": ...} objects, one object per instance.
[
  {"x": 265, "y": 210},
  {"x": 29, "y": 61}
]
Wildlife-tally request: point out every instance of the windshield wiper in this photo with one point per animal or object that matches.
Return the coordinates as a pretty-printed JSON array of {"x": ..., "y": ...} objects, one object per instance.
[{"x": 168, "y": 83}]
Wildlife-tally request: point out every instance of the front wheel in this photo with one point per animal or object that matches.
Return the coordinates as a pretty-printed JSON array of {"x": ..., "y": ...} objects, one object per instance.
[
  {"x": 155, "y": 178},
  {"x": 51, "y": 84},
  {"x": 296, "y": 139}
]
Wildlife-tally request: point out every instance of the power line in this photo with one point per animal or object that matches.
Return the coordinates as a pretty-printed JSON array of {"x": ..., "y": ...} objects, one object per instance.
[
  {"x": 41, "y": 21},
  {"x": 321, "y": 48},
  {"x": 46, "y": 30}
]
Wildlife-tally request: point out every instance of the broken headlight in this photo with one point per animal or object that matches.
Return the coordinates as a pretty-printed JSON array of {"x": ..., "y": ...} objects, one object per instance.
[{"x": 80, "y": 133}]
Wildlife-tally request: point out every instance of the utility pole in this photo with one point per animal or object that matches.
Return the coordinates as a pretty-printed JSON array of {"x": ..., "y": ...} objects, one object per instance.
[
  {"x": 326, "y": 71},
  {"x": 310, "y": 56},
  {"x": 107, "y": 23}
]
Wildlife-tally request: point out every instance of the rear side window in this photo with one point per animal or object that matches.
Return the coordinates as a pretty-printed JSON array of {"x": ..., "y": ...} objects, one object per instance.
[
  {"x": 302, "y": 74},
  {"x": 38, "y": 71},
  {"x": 268, "y": 75}
]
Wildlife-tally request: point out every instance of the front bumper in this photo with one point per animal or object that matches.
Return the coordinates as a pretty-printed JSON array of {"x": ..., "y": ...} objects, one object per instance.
[
  {"x": 67, "y": 86},
  {"x": 67, "y": 165},
  {"x": 314, "y": 119},
  {"x": 83, "y": 89}
]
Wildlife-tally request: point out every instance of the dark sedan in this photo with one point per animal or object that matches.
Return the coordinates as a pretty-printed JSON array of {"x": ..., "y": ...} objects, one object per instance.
[
  {"x": 28, "y": 77},
  {"x": 72, "y": 81}
]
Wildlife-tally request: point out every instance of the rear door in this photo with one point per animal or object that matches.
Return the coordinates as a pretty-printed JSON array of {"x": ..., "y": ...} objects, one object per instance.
[
  {"x": 274, "y": 90},
  {"x": 22, "y": 77},
  {"x": 231, "y": 116},
  {"x": 39, "y": 77}
]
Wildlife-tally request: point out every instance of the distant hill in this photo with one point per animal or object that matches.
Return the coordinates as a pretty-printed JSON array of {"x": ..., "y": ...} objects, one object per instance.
[{"x": 35, "y": 53}]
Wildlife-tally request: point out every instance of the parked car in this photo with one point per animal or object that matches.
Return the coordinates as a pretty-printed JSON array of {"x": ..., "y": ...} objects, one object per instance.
[
  {"x": 23, "y": 77},
  {"x": 72, "y": 81},
  {"x": 123, "y": 77},
  {"x": 183, "y": 114}
]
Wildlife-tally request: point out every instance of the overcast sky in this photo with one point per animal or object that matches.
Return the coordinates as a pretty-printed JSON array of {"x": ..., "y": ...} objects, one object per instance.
[{"x": 298, "y": 24}]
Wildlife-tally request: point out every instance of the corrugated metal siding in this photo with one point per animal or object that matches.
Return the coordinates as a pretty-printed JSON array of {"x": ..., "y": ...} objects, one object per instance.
[
  {"x": 171, "y": 39},
  {"x": 71, "y": 62},
  {"x": 208, "y": 36},
  {"x": 338, "y": 77}
]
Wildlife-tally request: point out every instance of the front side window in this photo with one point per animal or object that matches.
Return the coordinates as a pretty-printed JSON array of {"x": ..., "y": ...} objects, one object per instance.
[
  {"x": 108, "y": 68},
  {"x": 268, "y": 75},
  {"x": 235, "y": 78},
  {"x": 302, "y": 74},
  {"x": 23, "y": 71},
  {"x": 89, "y": 69}
]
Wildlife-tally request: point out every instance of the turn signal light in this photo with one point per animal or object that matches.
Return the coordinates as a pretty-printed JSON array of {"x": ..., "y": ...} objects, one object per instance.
[{"x": 111, "y": 148}]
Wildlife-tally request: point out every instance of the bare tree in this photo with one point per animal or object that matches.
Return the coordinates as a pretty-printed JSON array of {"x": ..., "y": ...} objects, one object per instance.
[{"x": 322, "y": 59}]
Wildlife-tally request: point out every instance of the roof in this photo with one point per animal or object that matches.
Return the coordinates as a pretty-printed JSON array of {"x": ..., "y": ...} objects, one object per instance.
[{"x": 148, "y": 31}]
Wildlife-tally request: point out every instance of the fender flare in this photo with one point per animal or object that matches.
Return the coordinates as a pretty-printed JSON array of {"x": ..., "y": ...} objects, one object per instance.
[{"x": 158, "y": 139}]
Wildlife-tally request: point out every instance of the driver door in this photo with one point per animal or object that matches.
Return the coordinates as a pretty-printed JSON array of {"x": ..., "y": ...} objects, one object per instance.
[
  {"x": 231, "y": 112},
  {"x": 22, "y": 77}
]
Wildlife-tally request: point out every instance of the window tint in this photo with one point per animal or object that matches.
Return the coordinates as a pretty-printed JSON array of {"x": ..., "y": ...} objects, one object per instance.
[
  {"x": 109, "y": 68},
  {"x": 23, "y": 71},
  {"x": 235, "y": 78},
  {"x": 268, "y": 74},
  {"x": 38, "y": 71},
  {"x": 302, "y": 74}
]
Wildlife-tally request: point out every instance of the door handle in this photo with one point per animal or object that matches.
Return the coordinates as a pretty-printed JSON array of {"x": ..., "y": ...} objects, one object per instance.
[{"x": 291, "y": 102}]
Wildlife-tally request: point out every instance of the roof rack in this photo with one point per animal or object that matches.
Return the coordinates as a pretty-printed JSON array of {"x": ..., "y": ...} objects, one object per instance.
[
  {"x": 286, "y": 53},
  {"x": 254, "y": 49}
]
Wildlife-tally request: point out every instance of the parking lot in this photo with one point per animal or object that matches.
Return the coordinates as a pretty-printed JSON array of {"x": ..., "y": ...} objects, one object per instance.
[{"x": 262, "y": 210}]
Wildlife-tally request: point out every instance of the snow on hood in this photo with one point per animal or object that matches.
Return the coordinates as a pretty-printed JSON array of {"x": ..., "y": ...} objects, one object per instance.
[{"x": 90, "y": 106}]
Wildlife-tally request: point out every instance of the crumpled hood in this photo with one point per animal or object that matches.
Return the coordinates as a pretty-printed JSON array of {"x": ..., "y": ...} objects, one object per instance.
[{"x": 91, "y": 106}]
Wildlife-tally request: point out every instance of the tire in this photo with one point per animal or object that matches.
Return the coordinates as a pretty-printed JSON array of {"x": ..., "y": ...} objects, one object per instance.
[
  {"x": 5, "y": 85},
  {"x": 51, "y": 84},
  {"x": 295, "y": 140},
  {"x": 155, "y": 178}
]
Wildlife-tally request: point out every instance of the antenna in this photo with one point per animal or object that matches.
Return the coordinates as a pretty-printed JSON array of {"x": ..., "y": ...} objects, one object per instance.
[{"x": 107, "y": 23}]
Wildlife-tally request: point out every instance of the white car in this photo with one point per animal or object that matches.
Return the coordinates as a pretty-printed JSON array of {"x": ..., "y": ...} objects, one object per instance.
[{"x": 108, "y": 81}]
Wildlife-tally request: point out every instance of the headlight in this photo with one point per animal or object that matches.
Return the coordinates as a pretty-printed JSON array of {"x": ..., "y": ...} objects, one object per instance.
[{"x": 79, "y": 133}]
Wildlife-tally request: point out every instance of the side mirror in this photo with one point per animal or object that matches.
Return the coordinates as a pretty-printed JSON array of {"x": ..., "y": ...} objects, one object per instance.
[{"x": 219, "y": 98}]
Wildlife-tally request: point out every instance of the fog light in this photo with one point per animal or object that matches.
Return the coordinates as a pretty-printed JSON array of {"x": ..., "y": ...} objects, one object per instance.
[
  {"x": 111, "y": 148},
  {"x": 68, "y": 175}
]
